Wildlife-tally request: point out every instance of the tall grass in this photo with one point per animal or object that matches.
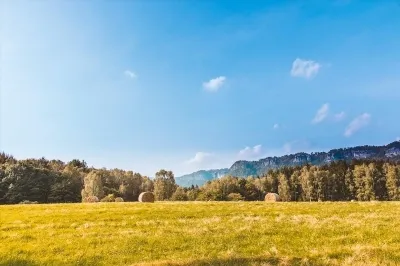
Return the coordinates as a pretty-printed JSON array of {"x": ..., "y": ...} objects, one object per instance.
[{"x": 201, "y": 233}]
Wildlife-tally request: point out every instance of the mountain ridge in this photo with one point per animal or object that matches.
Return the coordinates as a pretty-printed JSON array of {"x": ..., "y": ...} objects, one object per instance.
[{"x": 244, "y": 168}]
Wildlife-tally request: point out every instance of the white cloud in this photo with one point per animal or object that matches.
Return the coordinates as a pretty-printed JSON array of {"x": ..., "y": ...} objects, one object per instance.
[
  {"x": 340, "y": 116},
  {"x": 130, "y": 74},
  {"x": 200, "y": 157},
  {"x": 250, "y": 152},
  {"x": 321, "y": 114},
  {"x": 357, "y": 123},
  {"x": 304, "y": 68},
  {"x": 398, "y": 138},
  {"x": 214, "y": 84},
  {"x": 276, "y": 126}
]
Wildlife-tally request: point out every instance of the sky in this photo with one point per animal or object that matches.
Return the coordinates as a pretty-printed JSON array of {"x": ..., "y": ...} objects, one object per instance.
[{"x": 190, "y": 85}]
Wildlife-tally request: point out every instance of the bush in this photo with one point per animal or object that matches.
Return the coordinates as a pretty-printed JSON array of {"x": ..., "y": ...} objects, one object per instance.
[
  {"x": 235, "y": 197},
  {"x": 206, "y": 196},
  {"x": 108, "y": 198},
  {"x": 91, "y": 199},
  {"x": 192, "y": 195},
  {"x": 179, "y": 195},
  {"x": 119, "y": 199}
]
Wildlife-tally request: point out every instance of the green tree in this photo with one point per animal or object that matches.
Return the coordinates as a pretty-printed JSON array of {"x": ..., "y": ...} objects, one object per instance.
[
  {"x": 164, "y": 185},
  {"x": 67, "y": 186},
  {"x": 392, "y": 173},
  {"x": 284, "y": 188},
  {"x": 364, "y": 182},
  {"x": 130, "y": 187},
  {"x": 307, "y": 183},
  {"x": 3, "y": 186},
  {"x": 320, "y": 184},
  {"x": 147, "y": 185},
  {"x": 296, "y": 186},
  {"x": 251, "y": 190},
  {"x": 179, "y": 195},
  {"x": 93, "y": 185},
  {"x": 192, "y": 194},
  {"x": 235, "y": 197},
  {"x": 350, "y": 192},
  {"x": 78, "y": 164},
  {"x": 26, "y": 182}
]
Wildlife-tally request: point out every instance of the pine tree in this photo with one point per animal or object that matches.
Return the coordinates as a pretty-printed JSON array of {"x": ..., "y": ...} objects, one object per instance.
[
  {"x": 307, "y": 183},
  {"x": 364, "y": 182},
  {"x": 369, "y": 182},
  {"x": 349, "y": 193},
  {"x": 320, "y": 184},
  {"x": 392, "y": 174},
  {"x": 284, "y": 188},
  {"x": 295, "y": 185},
  {"x": 359, "y": 179}
]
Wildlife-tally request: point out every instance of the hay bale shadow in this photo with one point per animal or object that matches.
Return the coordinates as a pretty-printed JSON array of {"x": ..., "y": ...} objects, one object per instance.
[
  {"x": 264, "y": 261},
  {"x": 18, "y": 262}
]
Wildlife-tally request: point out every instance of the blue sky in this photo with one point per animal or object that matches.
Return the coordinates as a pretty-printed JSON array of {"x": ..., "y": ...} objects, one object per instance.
[{"x": 189, "y": 85}]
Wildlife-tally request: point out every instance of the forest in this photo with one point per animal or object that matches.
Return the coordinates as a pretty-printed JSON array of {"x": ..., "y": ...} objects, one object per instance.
[{"x": 54, "y": 181}]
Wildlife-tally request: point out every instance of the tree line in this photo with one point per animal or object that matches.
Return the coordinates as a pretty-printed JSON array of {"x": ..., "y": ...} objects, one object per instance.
[{"x": 53, "y": 181}]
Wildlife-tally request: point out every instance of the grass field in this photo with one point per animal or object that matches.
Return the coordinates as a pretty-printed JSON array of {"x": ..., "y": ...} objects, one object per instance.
[{"x": 201, "y": 233}]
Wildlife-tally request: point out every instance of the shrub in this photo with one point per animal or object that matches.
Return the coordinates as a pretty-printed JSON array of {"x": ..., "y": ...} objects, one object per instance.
[
  {"x": 235, "y": 197},
  {"x": 179, "y": 195},
  {"x": 91, "y": 199},
  {"x": 108, "y": 198}
]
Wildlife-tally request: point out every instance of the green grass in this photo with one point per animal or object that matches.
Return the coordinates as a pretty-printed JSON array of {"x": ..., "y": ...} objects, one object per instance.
[{"x": 201, "y": 233}]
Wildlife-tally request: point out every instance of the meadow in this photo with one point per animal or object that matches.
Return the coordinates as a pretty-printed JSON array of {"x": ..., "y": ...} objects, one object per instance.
[{"x": 201, "y": 233}]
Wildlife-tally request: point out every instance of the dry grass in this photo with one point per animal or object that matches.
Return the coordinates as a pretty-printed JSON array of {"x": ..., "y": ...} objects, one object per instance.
[{"x": 201, "y": 233}]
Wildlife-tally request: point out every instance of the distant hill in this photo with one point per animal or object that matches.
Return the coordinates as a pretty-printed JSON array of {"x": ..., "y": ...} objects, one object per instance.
[
  {"x": 247, "y": 168},
  {"x": 200, "y": 177}
]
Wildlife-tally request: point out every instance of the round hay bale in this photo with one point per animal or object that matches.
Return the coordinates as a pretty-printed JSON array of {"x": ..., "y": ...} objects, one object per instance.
[
  {"x": 146, "y": 197},
  {"x": 272, "y": 197},
  {"x": 119, "y": 199},
  {"x": 92, "y": 199}
]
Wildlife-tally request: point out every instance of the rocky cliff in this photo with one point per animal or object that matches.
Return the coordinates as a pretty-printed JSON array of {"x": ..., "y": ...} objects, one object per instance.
[{"x": 247, "y": 168}]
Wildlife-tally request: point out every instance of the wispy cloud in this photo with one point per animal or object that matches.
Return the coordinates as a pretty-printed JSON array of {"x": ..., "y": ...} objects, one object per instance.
[
  {"x": 305, "y": 68},
  {"x": 214, "y": 84},
  {"x": 200, "y": 157},
  {"x": 250, "y": 152},
  {"x": 357, "y": 123},
  {"x": 321, "y": 114},
  {"x": 276, "y": 126},
  {"x": 339, "y": 116},
  {"x": 130, "y": 74}
]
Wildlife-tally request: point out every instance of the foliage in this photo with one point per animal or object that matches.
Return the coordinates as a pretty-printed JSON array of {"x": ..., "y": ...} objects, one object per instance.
[
  {"x": 179, "y": 195},
  {"x": 93, "y": 185},
  {"x": 164, "y": 185},
  {"x": 53, "y": 181},
  {"x": 108, "y": 198},
  {"x": 119, "y": 199},
  {"x": 260, "y": 167},
  {"x": 235, "y": 197}
]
